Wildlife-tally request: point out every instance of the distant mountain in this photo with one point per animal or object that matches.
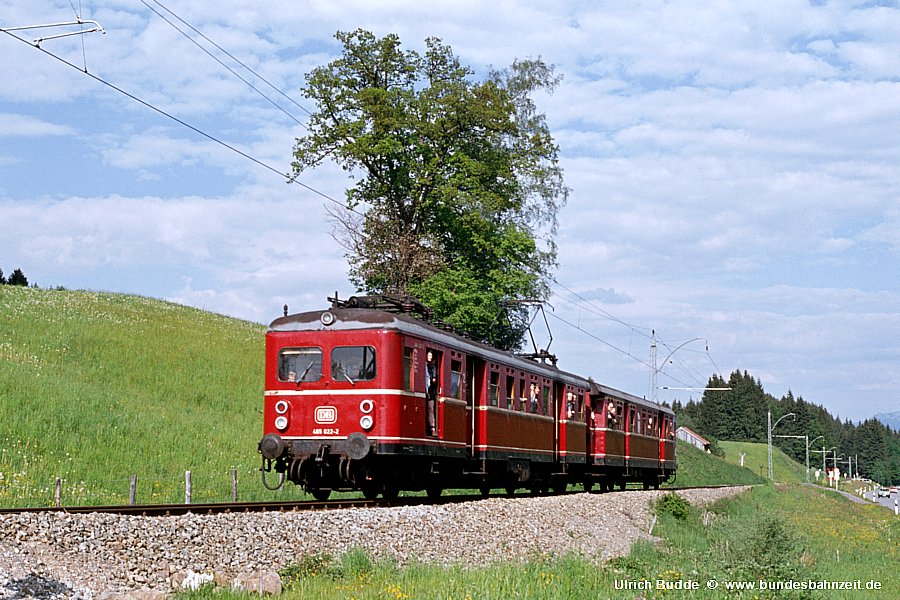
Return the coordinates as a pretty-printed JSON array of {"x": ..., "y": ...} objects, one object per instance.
[{"x": 892, "y": 420}]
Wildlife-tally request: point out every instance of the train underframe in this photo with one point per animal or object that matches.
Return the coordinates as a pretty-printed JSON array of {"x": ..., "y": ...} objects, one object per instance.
[{"x": 359, "y": 465}]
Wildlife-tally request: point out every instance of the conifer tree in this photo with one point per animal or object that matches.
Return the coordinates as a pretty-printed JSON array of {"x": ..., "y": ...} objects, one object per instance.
[{"x": 18, "y": 278}]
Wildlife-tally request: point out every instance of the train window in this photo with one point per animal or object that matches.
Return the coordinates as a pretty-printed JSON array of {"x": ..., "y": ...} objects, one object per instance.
[
  {"x": 534, "y": 393},
  {"x": 510, "y": 392},
  {"x": 408, "y": 369},
  {"x": 455, "y": 379},
  {"x": 494, "y": 388},
  {"x": 612, "y": 415},
  {"x": 300, "y": 364},
  {"x": 546, "y": 400},
  {"x": 353, "y": 363},
  {"x": 573, "y": 406}
]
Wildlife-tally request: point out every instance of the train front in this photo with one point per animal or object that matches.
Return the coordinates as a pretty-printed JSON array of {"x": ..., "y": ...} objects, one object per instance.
[{"x": 325, "y": 400}]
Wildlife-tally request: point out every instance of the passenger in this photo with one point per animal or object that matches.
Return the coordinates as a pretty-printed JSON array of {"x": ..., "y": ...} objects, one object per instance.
[
  {"x": 533, "y": 398},
  {"x": 292, "y": 376},
  {"x": 431, "y": 392},
  {"x": 570, "y": 405},
  {"x": 611, "y": 420}
]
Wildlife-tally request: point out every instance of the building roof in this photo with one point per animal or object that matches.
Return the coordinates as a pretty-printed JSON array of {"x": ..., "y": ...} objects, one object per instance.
[{"x": 693, "y": 433}]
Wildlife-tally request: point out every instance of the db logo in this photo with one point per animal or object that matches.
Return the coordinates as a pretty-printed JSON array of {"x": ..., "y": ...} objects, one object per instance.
[{"x": 326, "y": 415}]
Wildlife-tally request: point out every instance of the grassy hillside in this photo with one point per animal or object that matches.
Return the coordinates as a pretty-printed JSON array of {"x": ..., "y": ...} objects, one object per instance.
[
  {"x": 696, "y": 467},
  {"x": 96, "y": 387},
  {"x": 785, "y": 469}
]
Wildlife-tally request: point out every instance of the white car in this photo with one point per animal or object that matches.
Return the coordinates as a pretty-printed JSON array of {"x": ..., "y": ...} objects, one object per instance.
[{"x": 884, "y": 493}]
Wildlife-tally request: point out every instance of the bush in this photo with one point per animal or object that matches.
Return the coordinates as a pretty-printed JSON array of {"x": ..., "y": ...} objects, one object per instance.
[{"x": 674, "y": 505}]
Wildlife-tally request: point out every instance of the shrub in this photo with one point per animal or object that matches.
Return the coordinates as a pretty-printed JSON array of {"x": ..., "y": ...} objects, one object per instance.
[{"x": 674, "y": 505}]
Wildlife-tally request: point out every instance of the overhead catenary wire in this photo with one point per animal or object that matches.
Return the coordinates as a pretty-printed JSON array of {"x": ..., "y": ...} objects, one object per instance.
[
  {"x": 589, "y": 306},
  {"x": 288, "y": 178},
  {"x": 230, "y": 70}
]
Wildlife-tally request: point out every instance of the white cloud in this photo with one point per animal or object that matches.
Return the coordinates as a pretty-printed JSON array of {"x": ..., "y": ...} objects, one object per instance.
[{"x": 13, "y": 125}]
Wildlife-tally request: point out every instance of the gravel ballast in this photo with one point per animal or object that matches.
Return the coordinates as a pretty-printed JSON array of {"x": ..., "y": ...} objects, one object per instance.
[{"x": 84, "y": 555}]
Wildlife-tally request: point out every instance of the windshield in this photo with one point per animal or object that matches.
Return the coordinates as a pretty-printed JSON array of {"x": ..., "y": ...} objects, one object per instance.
[
  {"x": 300, "y": 364},
  {"x": 353, "y": 363}
]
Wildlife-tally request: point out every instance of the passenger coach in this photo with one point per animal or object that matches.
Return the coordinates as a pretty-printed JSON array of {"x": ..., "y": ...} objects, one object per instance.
[{"x": 347, "y": 393}]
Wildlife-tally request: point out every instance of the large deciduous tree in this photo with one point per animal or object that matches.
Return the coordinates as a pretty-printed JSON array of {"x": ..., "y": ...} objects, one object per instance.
[{"x": 457, "y": 181}]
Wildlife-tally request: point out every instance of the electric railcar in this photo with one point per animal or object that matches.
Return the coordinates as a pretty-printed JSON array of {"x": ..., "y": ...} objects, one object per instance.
[{"x": 348, "y": 391}]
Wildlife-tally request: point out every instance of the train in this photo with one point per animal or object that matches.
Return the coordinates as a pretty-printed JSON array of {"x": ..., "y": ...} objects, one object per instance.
[{"x": 371, "y": 395}]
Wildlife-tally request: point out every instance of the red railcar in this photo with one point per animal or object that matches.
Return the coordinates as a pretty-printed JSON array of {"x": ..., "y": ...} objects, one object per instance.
[{"x": 347, "y": 395}]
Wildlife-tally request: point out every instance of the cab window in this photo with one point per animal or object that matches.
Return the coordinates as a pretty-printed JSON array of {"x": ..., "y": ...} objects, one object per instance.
[
  {"x": 353, "y": 363},
  {"x": 300, "y": 364}
]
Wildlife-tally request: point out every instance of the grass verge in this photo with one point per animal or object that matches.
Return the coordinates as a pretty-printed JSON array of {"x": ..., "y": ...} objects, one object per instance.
[{"x": 790, "y": 536}]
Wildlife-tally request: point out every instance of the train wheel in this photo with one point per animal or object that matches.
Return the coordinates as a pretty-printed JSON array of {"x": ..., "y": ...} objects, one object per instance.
[
  {"x": 622, "y": 485},
  {"x": 588, "y": 485},
  {"x": 646, "y": 485},
  {"x": 434, "y": 492},
  {"x": 485, "y": 491},
  {"x": 510, "y": 490},
  {"x": 390, "y": 492},
  {"x": 320, "y": 494}
]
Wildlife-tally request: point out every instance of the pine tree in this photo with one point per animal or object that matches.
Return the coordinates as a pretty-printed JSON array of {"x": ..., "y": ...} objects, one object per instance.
[{"x": 18, "y": 278}]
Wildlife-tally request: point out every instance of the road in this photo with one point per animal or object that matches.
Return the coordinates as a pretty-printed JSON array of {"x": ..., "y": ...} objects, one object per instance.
[{"x": 889, "y": 502}]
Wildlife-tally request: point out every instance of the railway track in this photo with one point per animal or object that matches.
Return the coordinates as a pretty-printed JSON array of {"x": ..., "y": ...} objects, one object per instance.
[{"x": 161, "y": 510}]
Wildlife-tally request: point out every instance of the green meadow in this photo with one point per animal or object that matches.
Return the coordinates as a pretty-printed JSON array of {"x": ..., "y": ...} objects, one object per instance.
[
  {"x": 697, "y": 468},
  {"x": 784, "y": 469},
  {"x": 97, "y": 387}
]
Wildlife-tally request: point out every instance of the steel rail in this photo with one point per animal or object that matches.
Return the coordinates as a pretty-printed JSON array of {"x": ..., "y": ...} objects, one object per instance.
[{"x": 163, "y": 510}]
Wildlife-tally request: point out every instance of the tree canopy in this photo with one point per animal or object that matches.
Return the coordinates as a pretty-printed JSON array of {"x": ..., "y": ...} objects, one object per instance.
[{"x": 457, "y": 181}]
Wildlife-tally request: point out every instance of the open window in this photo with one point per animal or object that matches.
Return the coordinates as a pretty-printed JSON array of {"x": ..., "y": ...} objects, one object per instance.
[{"x": 494, "y": 389}]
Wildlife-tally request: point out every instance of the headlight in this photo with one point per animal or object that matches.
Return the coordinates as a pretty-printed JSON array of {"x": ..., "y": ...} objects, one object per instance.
[
  {"x": 366, "y": 406},
  {"x": 281, "y": 407},
  {"x": 366, "y": 422},
  {"x": 281, "y": 423}
]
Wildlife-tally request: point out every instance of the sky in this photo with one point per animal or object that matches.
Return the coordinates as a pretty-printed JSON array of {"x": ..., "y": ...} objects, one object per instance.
[{"x": 734, "y": 171}]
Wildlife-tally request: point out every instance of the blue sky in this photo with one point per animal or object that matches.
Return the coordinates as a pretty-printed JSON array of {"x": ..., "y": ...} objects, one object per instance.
[{"x": 733, "y": 166}]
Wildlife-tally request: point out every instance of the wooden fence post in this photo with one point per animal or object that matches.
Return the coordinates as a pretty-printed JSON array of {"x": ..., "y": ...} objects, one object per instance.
[
  {"x": 57, "y": 493},
  {"x": 187, "y": 487},
  {"x": 132, "y": 492},
  {"x": 233, "y": 484}
]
